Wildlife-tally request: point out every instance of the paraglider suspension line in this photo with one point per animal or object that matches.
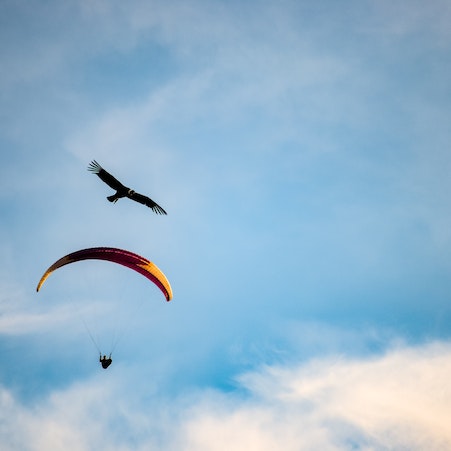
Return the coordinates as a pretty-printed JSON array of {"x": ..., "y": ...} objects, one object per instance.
[{"x": 91, "y": 337}]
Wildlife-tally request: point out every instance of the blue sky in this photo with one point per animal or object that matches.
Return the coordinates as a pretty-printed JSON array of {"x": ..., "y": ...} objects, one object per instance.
[{"x": 302, "y": 152}]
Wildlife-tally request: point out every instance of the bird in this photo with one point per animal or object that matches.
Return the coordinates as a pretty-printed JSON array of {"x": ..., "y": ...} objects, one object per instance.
[{"x": 122, "y": 190}]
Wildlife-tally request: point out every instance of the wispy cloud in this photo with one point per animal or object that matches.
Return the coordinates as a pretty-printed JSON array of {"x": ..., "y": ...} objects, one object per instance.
[{"x": 19, "y": 316}]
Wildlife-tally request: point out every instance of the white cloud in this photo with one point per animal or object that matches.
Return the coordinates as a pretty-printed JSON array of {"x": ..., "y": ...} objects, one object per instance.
[
  {"x": 400, "y": 400},
  {"x": 397, "y": 401}
]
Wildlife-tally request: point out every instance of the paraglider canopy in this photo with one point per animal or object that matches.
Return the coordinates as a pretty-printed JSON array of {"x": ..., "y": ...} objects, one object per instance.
[{"x": 119, "y": 256}]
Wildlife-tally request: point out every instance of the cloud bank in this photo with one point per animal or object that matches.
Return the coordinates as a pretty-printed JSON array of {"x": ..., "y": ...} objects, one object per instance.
[{"x": 399, "y": 400}]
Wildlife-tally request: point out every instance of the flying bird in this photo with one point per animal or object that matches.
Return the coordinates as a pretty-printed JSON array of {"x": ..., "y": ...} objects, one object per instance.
[{"x": 121, "y": 190}]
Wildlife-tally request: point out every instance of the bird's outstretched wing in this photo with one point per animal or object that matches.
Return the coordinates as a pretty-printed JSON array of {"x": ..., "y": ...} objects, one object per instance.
[
  {"x": 111, "y": 181},
  {"x": 146, "y": 201}
]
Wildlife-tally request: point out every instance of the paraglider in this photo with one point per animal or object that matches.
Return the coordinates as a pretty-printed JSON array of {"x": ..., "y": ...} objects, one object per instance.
[
  {"x": 122, "y": 190},
  {"x": 119, "y": 256}
]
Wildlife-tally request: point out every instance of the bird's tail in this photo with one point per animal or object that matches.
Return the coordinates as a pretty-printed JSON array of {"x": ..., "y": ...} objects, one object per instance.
[{"x": 112, "y": 198}]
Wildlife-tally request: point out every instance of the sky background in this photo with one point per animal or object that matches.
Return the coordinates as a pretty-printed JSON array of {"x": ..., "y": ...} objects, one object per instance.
[{"x": 302, "y": 152}]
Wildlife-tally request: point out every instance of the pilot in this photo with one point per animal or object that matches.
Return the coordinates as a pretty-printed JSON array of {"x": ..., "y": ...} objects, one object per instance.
[{"x": 106, "y": 362}]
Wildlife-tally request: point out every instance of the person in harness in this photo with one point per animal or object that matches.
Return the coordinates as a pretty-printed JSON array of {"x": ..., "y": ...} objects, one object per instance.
[{"x": 106, "y": 362}]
